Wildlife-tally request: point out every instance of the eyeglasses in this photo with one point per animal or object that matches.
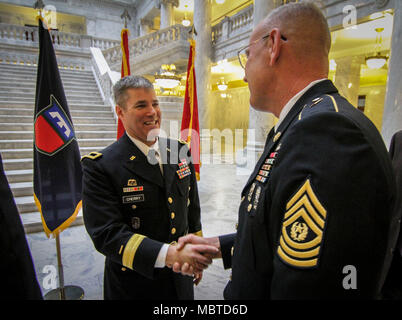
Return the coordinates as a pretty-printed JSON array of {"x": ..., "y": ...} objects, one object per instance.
[{"x": 242, "y": 54}]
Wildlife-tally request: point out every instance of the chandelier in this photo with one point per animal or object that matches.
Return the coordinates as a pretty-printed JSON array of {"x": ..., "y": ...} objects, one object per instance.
[
  {"x": 167, "y": 78},
  {"x": 186, "y": 22},
  {"x": 222, "y": 85},
  {"x": 377, "y": 60}
]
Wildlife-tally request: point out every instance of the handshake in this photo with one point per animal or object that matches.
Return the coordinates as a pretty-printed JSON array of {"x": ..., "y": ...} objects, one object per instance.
[{"x": 192, "y": 254}]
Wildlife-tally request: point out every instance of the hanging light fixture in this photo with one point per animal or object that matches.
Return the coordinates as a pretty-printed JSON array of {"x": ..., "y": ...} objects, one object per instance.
[
  {"x": 377, "y": 60},
  {"x": 222, "y": 85},
  {"x": 167, "y": 79},
  {"x": 186, "y": 22}
]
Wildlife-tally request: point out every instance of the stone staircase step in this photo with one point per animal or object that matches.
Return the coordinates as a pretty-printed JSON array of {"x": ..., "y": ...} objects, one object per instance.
[
  {"x": 77, "y": 126},
  {"x": 22, "y": 189},
  {"x": 18, "y": 164},
  {"x": 67, "y": 85},
  {"x": 24, "y": 144},
  {"x": 28, "y": 153},
  {"x": 30, "y": 68},
  {"x": 25, "y": 135},
  {"x": 28, "y": 218},
  {"x": 71, "y": 106},
  {"x": 73, "y": 95},
  {"x": 74, "y": 113},
  {"x": 76, "y": 120},
  {"x": 26, "y": 204},
  {"x": 32, "y": 221},
  {"x": 32, "y": 75},
  {"x": 31, "y": 100},
  {"x": 19, "y": 175},
  {"x": 28, "y": 209}
]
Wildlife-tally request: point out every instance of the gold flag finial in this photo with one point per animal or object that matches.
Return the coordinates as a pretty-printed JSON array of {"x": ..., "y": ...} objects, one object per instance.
[{"x": 125, "y": 16}]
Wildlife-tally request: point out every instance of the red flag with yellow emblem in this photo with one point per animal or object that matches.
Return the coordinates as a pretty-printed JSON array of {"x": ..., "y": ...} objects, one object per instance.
[{"x": 190, "y": 128}]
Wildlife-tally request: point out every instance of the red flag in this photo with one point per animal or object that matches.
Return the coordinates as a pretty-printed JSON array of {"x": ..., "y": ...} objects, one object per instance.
[
  {"x": 190, "y": 128},
  {"x": 125, "y": 71}
]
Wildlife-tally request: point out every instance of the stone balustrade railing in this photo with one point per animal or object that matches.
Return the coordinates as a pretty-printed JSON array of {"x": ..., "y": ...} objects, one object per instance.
[
  {"x": 231, "y": 26},
  {"x": 150, "y": 42},
  {"x": 232, "y": 33},
  {"x": 24, "y": 35}
]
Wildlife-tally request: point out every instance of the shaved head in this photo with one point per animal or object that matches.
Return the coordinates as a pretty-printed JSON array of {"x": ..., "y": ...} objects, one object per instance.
[
  {"x": 287, "y": 51},
  {"x": 305, "y": 24}
]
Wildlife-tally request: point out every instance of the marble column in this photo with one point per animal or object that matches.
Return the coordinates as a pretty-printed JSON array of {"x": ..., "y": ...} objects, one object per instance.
[
  {"x": 392, "y": 117},
  {"x": 203, "y": 51},
  {"x": 347, "y": 77},
  {"x": 259, "y": 122},
  {"x": 167, "y": 12}
]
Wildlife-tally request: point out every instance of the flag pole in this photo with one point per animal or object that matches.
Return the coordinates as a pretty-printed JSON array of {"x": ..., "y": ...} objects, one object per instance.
[
  {"x": 60, "y": 267},
  {"x": 63, "y": 292}
]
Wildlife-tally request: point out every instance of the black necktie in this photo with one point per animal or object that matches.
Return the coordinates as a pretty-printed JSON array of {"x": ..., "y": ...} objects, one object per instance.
[{"x": 152, "y": 157}]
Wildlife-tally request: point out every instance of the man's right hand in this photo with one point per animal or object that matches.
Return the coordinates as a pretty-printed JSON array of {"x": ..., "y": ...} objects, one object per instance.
[
  {"x": 198, "y": 256},
  {"x": 188, "y": 268}
]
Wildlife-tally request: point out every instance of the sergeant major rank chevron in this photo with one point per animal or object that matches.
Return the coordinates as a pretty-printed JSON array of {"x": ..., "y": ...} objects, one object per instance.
[{"x": 302, "y": 229}]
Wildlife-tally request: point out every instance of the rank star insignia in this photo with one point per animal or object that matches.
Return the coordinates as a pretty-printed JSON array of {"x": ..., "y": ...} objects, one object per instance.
[
  {"x": 302, "y": 229},
  {"x": 277, "y": 136}
]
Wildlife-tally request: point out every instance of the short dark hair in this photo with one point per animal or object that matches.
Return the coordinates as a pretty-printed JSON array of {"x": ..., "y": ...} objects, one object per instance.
[{"x": 129, "y": 82}]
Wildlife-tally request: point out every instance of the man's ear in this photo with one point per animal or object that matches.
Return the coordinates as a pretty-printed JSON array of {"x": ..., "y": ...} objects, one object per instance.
[
  {"x": 275, "y": 45},
  {"x": 119, "y": 111}
]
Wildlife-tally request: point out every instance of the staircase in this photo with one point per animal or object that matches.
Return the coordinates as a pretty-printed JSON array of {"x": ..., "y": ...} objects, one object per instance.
[{"x": 95, "y": 128}]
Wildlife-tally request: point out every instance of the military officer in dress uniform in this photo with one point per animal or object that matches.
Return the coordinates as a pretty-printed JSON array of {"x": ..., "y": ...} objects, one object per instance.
[
  {"x": 139, "y": 196},
  {"x": 316, "y": 216}
]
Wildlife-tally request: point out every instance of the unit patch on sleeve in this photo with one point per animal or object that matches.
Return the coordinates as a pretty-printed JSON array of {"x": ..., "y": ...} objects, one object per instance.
[{"x": 302, "y": 229}]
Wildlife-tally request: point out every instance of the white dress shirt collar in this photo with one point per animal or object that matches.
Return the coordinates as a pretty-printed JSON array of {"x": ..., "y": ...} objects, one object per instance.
[
  {"x": 293, "y": 101},
  {"x": 143, "y": 147}
]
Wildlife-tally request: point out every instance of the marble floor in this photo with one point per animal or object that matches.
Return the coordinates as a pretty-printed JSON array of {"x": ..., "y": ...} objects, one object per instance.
[{"x": 219, "y": 189}]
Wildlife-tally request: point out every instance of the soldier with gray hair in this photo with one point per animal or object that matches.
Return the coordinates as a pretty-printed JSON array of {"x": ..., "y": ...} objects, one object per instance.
[
  {"x": 137, "y": 202},
  {"x": 316, "y": 217}
]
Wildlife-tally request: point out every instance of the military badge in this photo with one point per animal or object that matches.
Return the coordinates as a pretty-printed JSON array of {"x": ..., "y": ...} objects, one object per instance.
[
  {"x": 250, "y": 193},
  {"x": 53, "y": 129},
  {"x": 93, "y": 156},
  {"x": 182, "y": 173},
  {"x": 302, "y": 229},
  {"x": 133, "y": 189},
  {"x": 277, "y": 136},
  {"x": 316, "y": 101},
  {"x": 132, "y": 183},
  {"x": 135, "y": 223},
  {"x": 257, "y": 198},
  {"x": 278, "y": 147},
  {"x": 133, "y": 199}
]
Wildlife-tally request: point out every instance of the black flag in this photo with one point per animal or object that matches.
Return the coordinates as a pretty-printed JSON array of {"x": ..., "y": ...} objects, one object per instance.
[{"x": 57, "y": 167}]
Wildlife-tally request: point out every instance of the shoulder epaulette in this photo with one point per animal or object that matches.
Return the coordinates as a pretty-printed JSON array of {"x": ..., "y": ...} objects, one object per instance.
[
  {"x": 310, "y": 105},
  {"x": 93, "y": 155}
]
